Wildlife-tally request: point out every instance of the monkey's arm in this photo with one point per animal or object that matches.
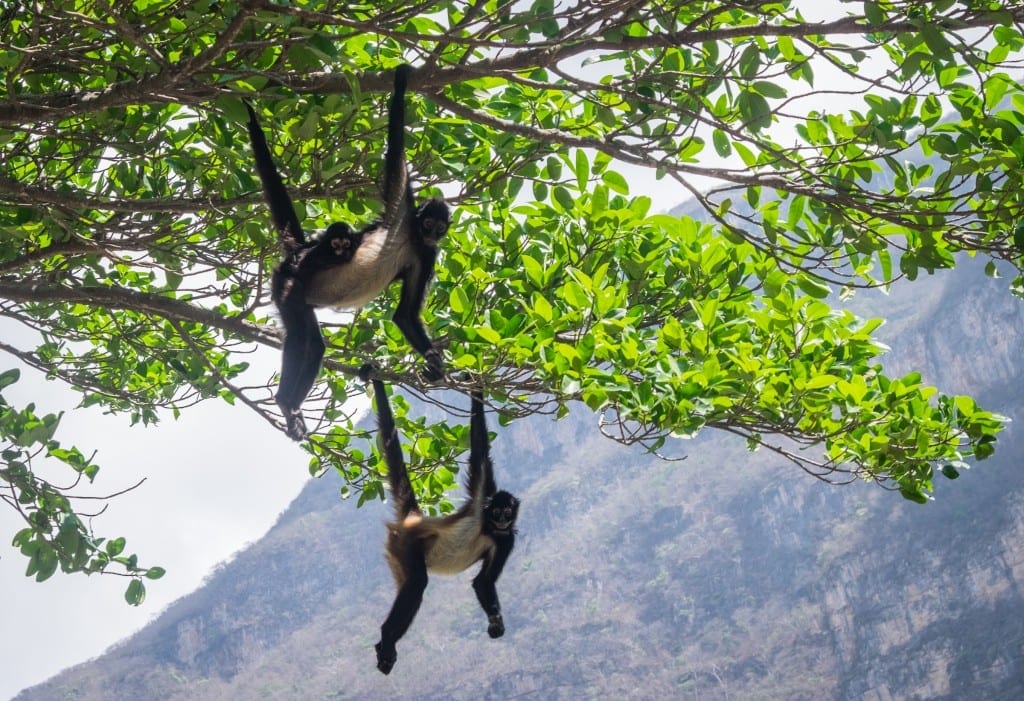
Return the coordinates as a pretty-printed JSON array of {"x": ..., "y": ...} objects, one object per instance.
[
  {"x": 407, "y": 316},
  {"x": 282, "y": 211}
]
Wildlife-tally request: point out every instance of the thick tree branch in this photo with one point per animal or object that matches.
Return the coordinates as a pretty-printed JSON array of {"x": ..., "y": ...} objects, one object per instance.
[
  {"x": 175, "y": 84},
  {"x": 122, "y": 298}
]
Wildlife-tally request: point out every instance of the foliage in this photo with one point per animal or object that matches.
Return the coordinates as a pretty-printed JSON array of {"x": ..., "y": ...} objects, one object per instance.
[
  {"x": 134, "y": 241},
  {"x": 55, "y": 533}
]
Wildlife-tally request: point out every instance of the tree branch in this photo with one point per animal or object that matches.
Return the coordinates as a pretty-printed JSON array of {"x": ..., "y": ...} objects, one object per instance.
[{"x": 122, "y": 298}]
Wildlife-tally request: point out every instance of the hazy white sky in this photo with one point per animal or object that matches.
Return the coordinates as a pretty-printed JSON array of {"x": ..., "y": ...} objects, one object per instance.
[{"x": 216, "y": 480}]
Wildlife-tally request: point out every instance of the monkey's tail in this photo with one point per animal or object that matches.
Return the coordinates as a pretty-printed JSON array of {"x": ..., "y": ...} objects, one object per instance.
[
  {"x": 282, "y": 211},
  {"x": 401, "y": 488}
]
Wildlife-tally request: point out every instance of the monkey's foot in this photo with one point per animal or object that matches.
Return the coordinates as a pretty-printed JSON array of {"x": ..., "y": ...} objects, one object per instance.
[
  {"x": 496, "y": 626},
  {"x": 434, "y": 372},
  {"x": 366, "y": 371},
  {"x": 385, "y": 659}
]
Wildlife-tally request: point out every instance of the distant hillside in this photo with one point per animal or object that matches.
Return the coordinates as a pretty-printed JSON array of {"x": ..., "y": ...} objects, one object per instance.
[{"x": 723, "y": 576}]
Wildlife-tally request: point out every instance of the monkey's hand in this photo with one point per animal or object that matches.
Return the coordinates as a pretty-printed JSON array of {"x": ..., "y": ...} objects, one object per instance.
[
  {"x": 495, "y": 626},
  {"x": 434, "y": 371},
  {"x": 385, "y": 658}
]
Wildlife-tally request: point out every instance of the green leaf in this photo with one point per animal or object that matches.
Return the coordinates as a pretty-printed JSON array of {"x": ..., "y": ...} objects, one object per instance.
[
  {"x": 44, "y": 562},
  {"x": 582, "y": 170},
  {"x": 458, "y": 300},
  {"x": 135, "y": 594},
  {"x": 774, "y": 283},
  {"x": 750, "y": 60},
  {"x": 723, "y": 147},
  {"x": 821, "y": 381},
  {"x": 542, "y": 307},
  {"x": 812, "y": 287},
  {"x": 873, "y": 13},
  {"x": 769, "y": 89},
  {"x": 564, "y": 199},
  {"x": 488, "y": 334},
  {"x": 754, "y": 109},
  {"x": 534, "y": 270},
  {"x": 9, "y": 377},
  {"x": 936, "y": 41},
  {"x": 615, "y": 181},
  {"x": 913, "y": 493}
]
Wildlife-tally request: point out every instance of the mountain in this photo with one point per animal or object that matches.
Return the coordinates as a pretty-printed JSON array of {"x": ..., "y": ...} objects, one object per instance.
[{"x": 722, "y": 576}]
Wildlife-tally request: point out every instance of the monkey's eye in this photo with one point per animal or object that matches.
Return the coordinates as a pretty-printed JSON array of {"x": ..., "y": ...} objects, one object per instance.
[{"x": 435, "y": 226}]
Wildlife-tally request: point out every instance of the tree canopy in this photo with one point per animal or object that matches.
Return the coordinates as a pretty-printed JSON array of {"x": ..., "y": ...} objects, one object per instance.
[{"x": 819, "y": 156}]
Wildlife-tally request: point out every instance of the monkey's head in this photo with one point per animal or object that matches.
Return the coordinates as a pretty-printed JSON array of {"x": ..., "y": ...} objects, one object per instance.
[
  {"x": 342, "y": 239},
  {"x": 432, "y": 220},
  {"x": 338, "y": 230},
  {"x": 501, "y": 512}
]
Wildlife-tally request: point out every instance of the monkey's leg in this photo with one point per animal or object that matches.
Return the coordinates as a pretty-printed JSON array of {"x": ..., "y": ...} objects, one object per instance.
[
  {"x": 403, "y": 611},
  {"x": 302, "y": 353},
  {"x": 407, "y": 318},
  {"x": 487, "y": 595}
]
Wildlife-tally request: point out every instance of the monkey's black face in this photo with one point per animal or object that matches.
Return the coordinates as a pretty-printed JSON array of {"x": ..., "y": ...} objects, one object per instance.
[
  {"x": 432, "y": 220},
  {"x": 501, "y": 512}
]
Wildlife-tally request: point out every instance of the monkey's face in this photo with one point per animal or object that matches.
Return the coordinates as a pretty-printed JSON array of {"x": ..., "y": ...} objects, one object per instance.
[
  {"x": 432, "y": 220},
  {"x": 502, "y": 511}
]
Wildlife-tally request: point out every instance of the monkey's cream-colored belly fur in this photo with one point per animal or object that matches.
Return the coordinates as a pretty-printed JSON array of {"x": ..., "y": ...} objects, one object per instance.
[
  {"x": 450, "y": 548},
  {"x": 458, "y": 547},
  {"x": 371, "y": 269}
]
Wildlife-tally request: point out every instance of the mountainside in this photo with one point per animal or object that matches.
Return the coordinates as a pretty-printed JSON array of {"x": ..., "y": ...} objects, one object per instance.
[{"x": 722, "y": 576}]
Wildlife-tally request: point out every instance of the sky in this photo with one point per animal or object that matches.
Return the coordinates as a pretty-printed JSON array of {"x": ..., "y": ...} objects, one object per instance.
[{"x": 211, "y": 487}]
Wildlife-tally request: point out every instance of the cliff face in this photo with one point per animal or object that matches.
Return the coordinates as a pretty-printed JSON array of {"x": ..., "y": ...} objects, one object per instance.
[{"x": 724, "y": 576}]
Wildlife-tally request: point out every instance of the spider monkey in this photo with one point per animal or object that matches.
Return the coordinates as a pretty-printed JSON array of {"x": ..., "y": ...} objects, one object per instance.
[
  {"x": 482, "y": 529},
  {"x": 344, "y": 268}
]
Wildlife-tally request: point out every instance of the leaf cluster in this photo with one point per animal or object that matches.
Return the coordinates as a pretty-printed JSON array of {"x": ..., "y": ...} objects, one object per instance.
[{"x": 56, "y": 533}]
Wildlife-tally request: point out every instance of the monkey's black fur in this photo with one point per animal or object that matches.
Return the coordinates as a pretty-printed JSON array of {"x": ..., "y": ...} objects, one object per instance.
[
  {"x": 346, "y": 269},
  {"x": 482, "y": 529}
]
